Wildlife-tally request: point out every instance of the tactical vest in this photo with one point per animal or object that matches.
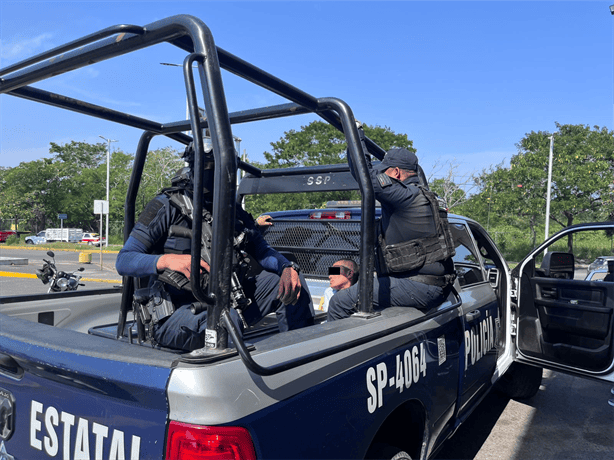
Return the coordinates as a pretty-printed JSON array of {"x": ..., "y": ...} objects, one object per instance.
[
  {"x": 412, "y": 255},
  {"x": 183, "y": 203}
]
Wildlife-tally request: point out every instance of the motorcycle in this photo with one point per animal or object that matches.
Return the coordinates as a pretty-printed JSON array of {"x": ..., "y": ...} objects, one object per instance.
[{"x": 58, "y": 280}]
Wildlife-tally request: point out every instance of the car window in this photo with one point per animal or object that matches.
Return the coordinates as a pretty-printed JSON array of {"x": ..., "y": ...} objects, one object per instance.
[
  {"x": 466, "y": 261},
  {"x": 597, "y": 276},
  {"x": 585, "y": 245}
]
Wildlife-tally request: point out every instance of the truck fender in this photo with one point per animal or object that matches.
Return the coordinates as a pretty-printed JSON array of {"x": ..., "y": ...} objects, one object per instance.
[{"x": 403, "y": 430}]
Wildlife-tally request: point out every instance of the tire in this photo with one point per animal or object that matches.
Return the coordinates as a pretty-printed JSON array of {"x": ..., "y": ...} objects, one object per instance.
[
  {"x": 29, "y": 242},
  {"x": 401, "y": 456},
  {"x": 387, "y": 452},
  {"x": 521, "y": 381}
]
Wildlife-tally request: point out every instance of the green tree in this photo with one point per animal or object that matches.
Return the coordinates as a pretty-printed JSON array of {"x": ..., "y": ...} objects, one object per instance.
[
  {"x": 445, "y": 186},
  {"x": 160, "y": 166},
  {"x": 25, "y": 193},
  {"x": 582, "y": 173},
  {"x": 80, "y": 179},
  {"x": 583, "y": 169},
  {"x": 315, "y": 144}
]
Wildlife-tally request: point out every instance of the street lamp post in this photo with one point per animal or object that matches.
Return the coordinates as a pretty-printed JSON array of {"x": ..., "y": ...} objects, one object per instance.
[
  {"x": 108, "y": 159},
  {"x": 549, "y": 186}
]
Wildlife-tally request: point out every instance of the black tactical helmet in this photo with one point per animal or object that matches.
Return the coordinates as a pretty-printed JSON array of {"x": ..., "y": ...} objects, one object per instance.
[{"x": 185, "y": 176}]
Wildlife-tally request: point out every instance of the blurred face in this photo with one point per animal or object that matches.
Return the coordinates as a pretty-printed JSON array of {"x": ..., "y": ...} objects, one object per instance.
[{"x": 337, "y": 276}]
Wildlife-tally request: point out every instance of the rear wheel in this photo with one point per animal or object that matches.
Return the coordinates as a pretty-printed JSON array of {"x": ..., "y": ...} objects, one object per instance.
[
  {"x": 29, "y": 242},
  {"x": 382, "y": 451},
  {"x": 521, "y": 381}
]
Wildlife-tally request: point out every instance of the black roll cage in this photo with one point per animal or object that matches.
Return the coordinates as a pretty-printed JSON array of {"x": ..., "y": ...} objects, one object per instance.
[{"x": 193, "y": 36}]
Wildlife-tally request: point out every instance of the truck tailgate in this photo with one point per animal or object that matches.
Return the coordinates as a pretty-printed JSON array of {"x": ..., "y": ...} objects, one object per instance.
[{"x": 69, "y": 395}]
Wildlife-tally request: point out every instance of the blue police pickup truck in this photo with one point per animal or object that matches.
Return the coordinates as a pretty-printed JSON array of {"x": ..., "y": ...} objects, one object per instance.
[{"x": 79, "y": 378}]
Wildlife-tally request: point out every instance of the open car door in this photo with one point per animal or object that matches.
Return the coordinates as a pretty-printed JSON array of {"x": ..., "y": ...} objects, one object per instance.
[{"x": 564, "y": 322}]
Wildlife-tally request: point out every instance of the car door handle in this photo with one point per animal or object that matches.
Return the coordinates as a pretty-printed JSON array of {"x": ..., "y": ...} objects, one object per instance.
[
  {"x": 473, "y": 315},
  {"x": 549, "y": 293}
]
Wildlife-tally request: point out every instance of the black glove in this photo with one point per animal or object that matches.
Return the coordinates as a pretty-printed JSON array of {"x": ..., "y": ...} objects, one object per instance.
[{"x": 289, "y": 286}]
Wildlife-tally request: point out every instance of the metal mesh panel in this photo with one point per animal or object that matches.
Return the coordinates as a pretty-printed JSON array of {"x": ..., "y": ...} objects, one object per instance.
[{"x": 316, "y": 244}]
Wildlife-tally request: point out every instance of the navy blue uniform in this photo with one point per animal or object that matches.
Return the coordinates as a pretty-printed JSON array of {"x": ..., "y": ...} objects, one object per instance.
[
  {"x": 401, "y": 221},
  {"x": 149, "y": 240}
]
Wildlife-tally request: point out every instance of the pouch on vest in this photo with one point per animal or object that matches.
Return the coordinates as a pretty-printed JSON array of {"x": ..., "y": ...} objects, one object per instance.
[
  {"x": 404, "y": 256},
  {"x": 153, "y": 304},
  {"x": 413, "y": 254}
]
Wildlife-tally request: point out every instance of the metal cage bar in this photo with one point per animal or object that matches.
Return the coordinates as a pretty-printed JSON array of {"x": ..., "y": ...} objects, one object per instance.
[{"x": 192, "y": 35}]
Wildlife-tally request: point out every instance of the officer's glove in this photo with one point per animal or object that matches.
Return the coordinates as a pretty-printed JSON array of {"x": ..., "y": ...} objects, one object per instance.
[{"x": 289, "y": 287}]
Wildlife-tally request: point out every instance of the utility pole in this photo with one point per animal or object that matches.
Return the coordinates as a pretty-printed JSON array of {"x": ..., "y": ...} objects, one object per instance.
[{"x": 108, "y": 160}]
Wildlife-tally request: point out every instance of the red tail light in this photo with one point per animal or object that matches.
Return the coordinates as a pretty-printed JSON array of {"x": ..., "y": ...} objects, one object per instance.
[{"x": 197, "y": 442}]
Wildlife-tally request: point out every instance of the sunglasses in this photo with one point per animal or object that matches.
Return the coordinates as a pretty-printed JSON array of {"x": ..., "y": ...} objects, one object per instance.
[{"x": 338, "y": 271}]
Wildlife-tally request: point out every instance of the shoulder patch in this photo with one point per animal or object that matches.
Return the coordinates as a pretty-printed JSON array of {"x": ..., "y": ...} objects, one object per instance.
[
  {"x": 150, "y": 212},
  {"x": 384, "y": 180}
]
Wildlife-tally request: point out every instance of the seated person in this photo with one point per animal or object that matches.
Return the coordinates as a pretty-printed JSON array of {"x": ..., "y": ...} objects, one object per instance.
[
  {"x": 150, "y": 250},
  {"x": 342, "y": 275},
  {"x": 415, "y": 247}
]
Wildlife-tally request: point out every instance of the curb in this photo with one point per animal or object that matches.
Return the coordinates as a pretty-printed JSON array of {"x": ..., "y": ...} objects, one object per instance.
[
  {"x": 17, "y": 275},
  {"x": 47, "y": 248},
  {"x": 31, "y": 275}
]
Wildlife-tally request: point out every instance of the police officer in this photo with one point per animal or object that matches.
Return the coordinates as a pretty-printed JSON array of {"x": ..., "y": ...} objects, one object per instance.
[
  {"x": 415, "y": 248},
  {"x": 150, "y": 250}
]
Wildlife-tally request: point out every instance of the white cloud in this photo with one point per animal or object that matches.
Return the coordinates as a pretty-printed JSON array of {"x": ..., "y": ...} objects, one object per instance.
[{"x": 21, "y": 49}]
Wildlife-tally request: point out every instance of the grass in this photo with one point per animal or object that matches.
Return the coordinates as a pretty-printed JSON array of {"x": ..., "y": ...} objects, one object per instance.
[{"x": 15, "y": 241}]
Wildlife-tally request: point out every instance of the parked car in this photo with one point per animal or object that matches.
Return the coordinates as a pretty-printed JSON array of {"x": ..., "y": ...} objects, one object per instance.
[
  {"x": 600, "y": 262},
  {"x": 93, "y": 239},
  {"x": 596, "y": 275},
  {"x": 39, "y": 238},
  {"x": 4, "y": 234}
]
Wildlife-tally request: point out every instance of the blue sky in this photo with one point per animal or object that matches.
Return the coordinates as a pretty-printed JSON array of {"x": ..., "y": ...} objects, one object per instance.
[{"x": 464, "y": 80}]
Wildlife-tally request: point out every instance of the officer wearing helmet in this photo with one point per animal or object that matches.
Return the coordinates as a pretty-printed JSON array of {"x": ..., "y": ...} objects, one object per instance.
[{"x": 155, "y": 249}]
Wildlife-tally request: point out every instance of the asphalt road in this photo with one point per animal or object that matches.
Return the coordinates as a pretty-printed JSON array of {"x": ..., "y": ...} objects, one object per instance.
[
  {"x": 569, "y": 418},
  {"x": 20, "y": 279}
]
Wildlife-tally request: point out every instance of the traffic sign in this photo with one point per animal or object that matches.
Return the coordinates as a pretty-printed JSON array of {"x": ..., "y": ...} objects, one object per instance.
[{"x": 101, "y": 207}]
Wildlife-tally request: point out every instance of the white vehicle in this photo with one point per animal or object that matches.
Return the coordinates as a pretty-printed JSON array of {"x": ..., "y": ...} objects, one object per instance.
[
  {"x": 93, "y": 239},
  {"x": 596, "y": 275},
  {"x": 39, "y": 238},
  {"x": 69, "y": 235}
]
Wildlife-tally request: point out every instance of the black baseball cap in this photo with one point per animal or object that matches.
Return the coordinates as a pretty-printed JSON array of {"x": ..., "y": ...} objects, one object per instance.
[{"x": 398, "y": 158}]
